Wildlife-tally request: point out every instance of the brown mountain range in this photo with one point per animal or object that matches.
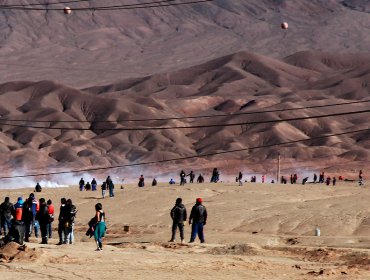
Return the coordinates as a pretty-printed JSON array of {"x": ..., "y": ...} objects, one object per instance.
[{"x": 229, "y": 85}]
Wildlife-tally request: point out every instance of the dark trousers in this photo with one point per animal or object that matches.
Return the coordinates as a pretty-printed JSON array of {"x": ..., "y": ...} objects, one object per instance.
[
  {"x": 197, "y": 229},
  {"x": 44, "y": 232},
  {"x": 17, "y": 232},
  {"x": 28, "y": 229},
  {"x": 6, "y": 224},
  {"x": 174, "y": 229},
  {"x": 62, "y": 232},
  {"x": 111, "y": 192}
]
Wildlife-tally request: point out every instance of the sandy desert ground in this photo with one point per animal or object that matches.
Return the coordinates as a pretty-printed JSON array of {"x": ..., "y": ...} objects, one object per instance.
[{"x": 256, "y": 231}]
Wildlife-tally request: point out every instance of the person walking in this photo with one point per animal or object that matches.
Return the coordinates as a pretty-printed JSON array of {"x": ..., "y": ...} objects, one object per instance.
[
  {"x": 110, "y": 186},
  {"x": 42, "y": 217},
  {"x": 240, "y": 178},
  {"x": 179, "y": 217},
  {"x": 100, "y": 226},
  {"x": 94, "y": 184},
  {"x": 198, "y": 219},
  {"x": 82, "y": 184},
  {"x": 192, "y": 176},
  {"x": 51, "y": 217},
  {"x": 6, "y": 210}
]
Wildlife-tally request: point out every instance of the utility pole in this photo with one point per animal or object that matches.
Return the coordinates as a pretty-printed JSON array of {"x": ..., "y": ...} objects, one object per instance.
[{"x": 278, "y": 169}]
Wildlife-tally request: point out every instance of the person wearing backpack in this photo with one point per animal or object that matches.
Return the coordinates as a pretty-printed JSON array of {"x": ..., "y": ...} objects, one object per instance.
[{"x": 179, "y": 216}]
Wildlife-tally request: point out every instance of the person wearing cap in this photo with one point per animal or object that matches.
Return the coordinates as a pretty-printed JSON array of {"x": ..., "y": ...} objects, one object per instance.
[
  {"x": 198, "y": 219},
  {"x": 18, "y": 209},
  {"x": 179, "y": 216}
]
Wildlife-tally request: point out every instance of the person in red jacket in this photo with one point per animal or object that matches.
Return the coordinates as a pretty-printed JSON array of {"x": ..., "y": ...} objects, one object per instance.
[{"x": 51, "y": 217}]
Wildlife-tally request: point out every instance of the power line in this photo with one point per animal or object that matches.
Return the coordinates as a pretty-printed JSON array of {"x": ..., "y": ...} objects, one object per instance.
[
  {"x": 192, "y": 126},
  {"x": 187, "y": 157},
  {"x": 44, "y": 4},
  {"x": 157, "y": 4},
  {"x": 191, "y": 117}
]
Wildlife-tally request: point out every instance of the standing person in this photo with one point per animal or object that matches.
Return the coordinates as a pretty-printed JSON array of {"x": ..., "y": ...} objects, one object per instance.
[
  {"x": 179, "y": 216},
  {"x": 27, "y": 218},
  {"x": 62, "y": 222},
  {"x": 240, "y": 178},
  {"x": 192, "y": 176},
  {"x": 334, "y": 181},
  {"x": 35, "y": 206},
  {"x": 103, "y": 189},
  {"x": 94, "y": 184},
  {"x": 6, "y": 210},
  {"x": 141, "y": 181},
  {"x": 215, "y": 176},
  {"x": 182, "y": 178},
  {"x": 42, "y": 217},
  {"x": 198, "y": 217},
  {"x": 81, "y": 184},
  {"x": 263, "y": 178},
  {"x": 328, "y": 179},
  {"x": 71, "y": 212},
  {"x": 110, "y": 186},
  {"x": 100, "y": 226},
  {"x": 314, "y": 178},
  {"x": 51, "y": 217}
]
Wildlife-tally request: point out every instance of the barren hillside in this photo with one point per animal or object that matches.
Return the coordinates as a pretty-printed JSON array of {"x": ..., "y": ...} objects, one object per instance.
[
  {"x": 88, "y": 48},
  {"x": 233, "y": 84}
]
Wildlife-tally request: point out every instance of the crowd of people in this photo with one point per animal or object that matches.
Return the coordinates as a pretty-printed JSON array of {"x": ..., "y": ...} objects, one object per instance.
[
  {"x": 106, "y": 185},
  {"x": 21, "y": 219}
]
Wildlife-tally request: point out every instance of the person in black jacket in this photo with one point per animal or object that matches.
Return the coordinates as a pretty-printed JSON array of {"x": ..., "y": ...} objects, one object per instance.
[
  {"x": 198, "y": 217},
  {"x": 71, "y": 212},
  {"x": 62, "y": 219},
  {"x": 27, "y": 217},
  {"x": 6, "y": 210},
  {"x": 43, "y": 217},
  {"x": 110, "y": 186},
  {"x": 179, "y": 216},
  {"x": 182, "y": 178}
]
